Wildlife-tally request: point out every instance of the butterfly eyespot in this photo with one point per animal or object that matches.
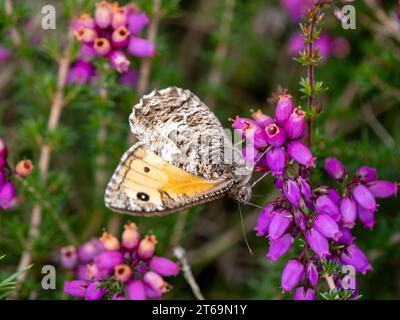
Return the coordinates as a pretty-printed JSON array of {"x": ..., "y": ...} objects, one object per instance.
[
  {"x": 146, "y": 169},
  {"x": 143, "y": 196}
]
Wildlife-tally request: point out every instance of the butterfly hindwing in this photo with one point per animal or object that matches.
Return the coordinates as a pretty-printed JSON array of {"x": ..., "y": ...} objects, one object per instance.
[{"x": 144, "y": 184}]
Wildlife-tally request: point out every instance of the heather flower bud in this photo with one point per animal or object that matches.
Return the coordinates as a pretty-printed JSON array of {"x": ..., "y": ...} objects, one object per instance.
[
  {"x": 333, "y": 195},
  {"x": 335, "y": 169},
  {"x": 89, "y": 250},
  {"x": 299, "y": 220},
  {"x": 264, "y": 220},
  {"x": 130, "y": 236},
  {"x": 109, "y": 241},
  {"x": 119, "y": 61},
  {"x": 80, "y": 72},
  {"x": 276, "y": 160},
  {"x": 327, "y": 226},
  {"x": 284, "y": 109},
  {"x": 119, "y": 18},
  {"x": 382, "y": 188},
  {"x": 135, "y": 290},
  {"x": 303, "y": 293},
  {"x": 122, "y": 272},
  {"x": 141, "y": 48},
  {"x": 278, "y": 182},
  {"x": 86, "y": 21},
  {"x": 292, "y": 192},
  {"x": 251, "y": 154},
  {"x": 279, "y": 247},
  {"x": 355, "y": 257},
  {"x": 163, "y": 266},
  {"x": 291, "y": 275},
  {"x": 294, "y": 126},
  {"x": 129, "y": 78},
  {"x": 85, "y": 35},
  {"x": 7, "y": 194},
  {"x": 324, "y": 204},
  {"x": 156, "y": 283},
  {"x": 93, "y": 292},
  {"x": 102, "y": 46},
  {"x": 366, "y": 174},
  {"x": 312, "y": 274},
  {"x": 76, "y": 288},
  {"x": 300, "y": 153},
  {"x": 24, "y": 168},
  {"x": 120, "y": 37},
  {"x": 346, "y": 238},
  {"x": 276, "y": 136},
  {"x": 367, "y": 217},
  {"x": 348, "y": 210},
  {"x": 147, "y": 247},
  {"x": 318, "y": 243},
  {"x": 279, "y": 223},
  {"x": 103, "y": 14},
  {"x": 262, "y": 119},
  {"x": 305, "y": 188},
  {"x": 137, "y": 21},
  {"x": 69, "y": 257},
  {"x": 108, "y": 260},
  {"x": 364, "y": 197}
]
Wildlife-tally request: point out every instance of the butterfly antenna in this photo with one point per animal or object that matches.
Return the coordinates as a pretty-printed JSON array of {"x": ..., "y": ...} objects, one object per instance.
[
  {"x": 252, "y": 204},
  {"x": 259, "y": 179},
  {"x": 244, "y": 232}
]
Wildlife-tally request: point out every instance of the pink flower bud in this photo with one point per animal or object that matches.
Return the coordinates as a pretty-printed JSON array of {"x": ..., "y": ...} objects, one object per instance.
[
  {"x": 366, "y": 174},
  {"x": 103, "y": 14},
  {"x": 300, "y": 153},
  {"x": 93, "y": 292},
  {"x": 292, "y": 192},
  {"x": 335, "y": 169},
  {"x": 262, "y": 119},
  {"x": 68, "y": 257},
  {"x": 147, "y": 247},
  {"x": 280, "y": 221},
  {"x": 102, "y": 46},
  {"x": 327, "y": 226},
  {"x": 156, "y": 283},
  {"x": 135, "y": 290},
  {"x": 346, "y": 238},
  {"x": 164, "y": 266},
  {"x": 318, "y": 243},
  {"x": 305, "y": 188},
  {"x": 24, "y": 168},
  {"x": 76, "y": 288},
  {"x": 284, "y": 109},
  {"x": 84, "y": 20},
  {"x": 120, "y": 37},
  {"x": 382, "y": 188},
  {"x": 294, "y": 126},
  {"x": 324, "y": 204},
  {"x": 122, "y": 272},
  {"x": 355, "y": 257},
  {"x": 137, "y": 21},
  {"x": 7, "y": 194},
  {"x": 276, "y": 136},
  {"x": 264, "y": 220},
  {"x": 88, "y": 250},
  {"x": 119, "y": 18},
  {"x": 85, "y": 35},
  {"x": 348, "y": 210},
  {"x": 276, "y": 160},
  {"x": 119, "y": 61},
  {"x": 141, "y": 48},
  {"x": 108, "y": 260},
  {"x": 109, "y": 241},
  {"x": 251, "y": 154},
  {"x": 364, "y": 197},
  {"x": 299, "y": 220},
  {"x": 130, "y": 236},
  {"x": 304, "y": 293},
  {"x": 291, "y": 275},
  {"x": 279, "y": 247},
  {"x": 312, "y": 274},
  {"x": 367, "y": 217}
]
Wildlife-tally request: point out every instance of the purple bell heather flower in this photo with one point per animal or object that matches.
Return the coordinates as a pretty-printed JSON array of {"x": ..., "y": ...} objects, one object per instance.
[
  {"x": 355, "y": 257},
  {"x": 87, "y": 52},
  {"x": 163, "y": 266},
  {"x": 103, "y": 14},
  {"x": 275, "y": 135},
  {"x": 251, "y": 154},
  {"x": 120, "y": 37},
  {"x": 119, "y": 61},
  {"x": 147, "y": 247},
  {"x": 305, "y": 188},
  {"x": 318, "y": 243},
  {"x": 303, "y": 293},
  {"x": 80, "y": 72},
  {"x": 279, "y": 223},
  {"x": 141, "y": 48},
  {"x": 335, "y": 169},
  {"x": 68, "y": 257},
  {"x": 76, "y": 288},
  {"x": 137, "y": 21},
  {"x": 284, "y": 109},
  {"x": 278, "y": 182},
  {"x": 366, "y": 174},
  {"x": 279, "y": 247},
  {"x": 367, "y": 217},
  {"x": 292, "y": 192},
  {"x": 84, "y": 20},
  {"x": 119, "y": 17},
  {"x": 324, "y": 204},
  {"x": 102, "y": 46},
  {"x": 93, "y": 292},
  {"x": 156, "y": 283},
  {"x": 264, "y": 220},
  {"x": 129, "y": 78},
  {"x": 135, "y": 290},
  {"x": 327, "y": 226},
  {"x": 85, "y": 35},
  {"x": 300, "y": 153},
  {"x": 242, "y": 124},
  {"x": 5, "y": 54},
  {"x": 291, "y": 275},
  {"x": 312, "y": 274},
  {"x": 24, "y": 168},
  {"x": 299, "y": 220},
  {"x": 296, "y": 44},
  {"x": 88, "y": 250},
  {"x": 294, "y": 126},
  {"x": 262, "y": 119},
  {"x": 382, "y": 188},
  {"x": 122, "y": 272},
  {"x": 118, "y": 296},
  {"x": 108, "y": 260},
  {"x": 7, "y": 194},
  {"x": 255, "y": 135},
  {"x": 364, "y": 197},
  {"x": 348, "y": 210},
  {"x": 276, "y": 160},
  {"x": 333, "y": 195},
  {"x": 109, "y": 241},
  {"x": 130, "y": 236},
  {"x": 347, "y": 238}
]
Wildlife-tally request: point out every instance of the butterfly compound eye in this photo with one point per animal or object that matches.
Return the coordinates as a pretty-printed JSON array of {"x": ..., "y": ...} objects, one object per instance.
[
  {"x": 146, "y": 169},
  {"x": 142, "y": 196}
]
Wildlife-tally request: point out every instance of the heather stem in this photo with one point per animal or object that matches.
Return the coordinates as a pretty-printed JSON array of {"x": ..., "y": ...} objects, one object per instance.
[{"x": 310, "y": 82}]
